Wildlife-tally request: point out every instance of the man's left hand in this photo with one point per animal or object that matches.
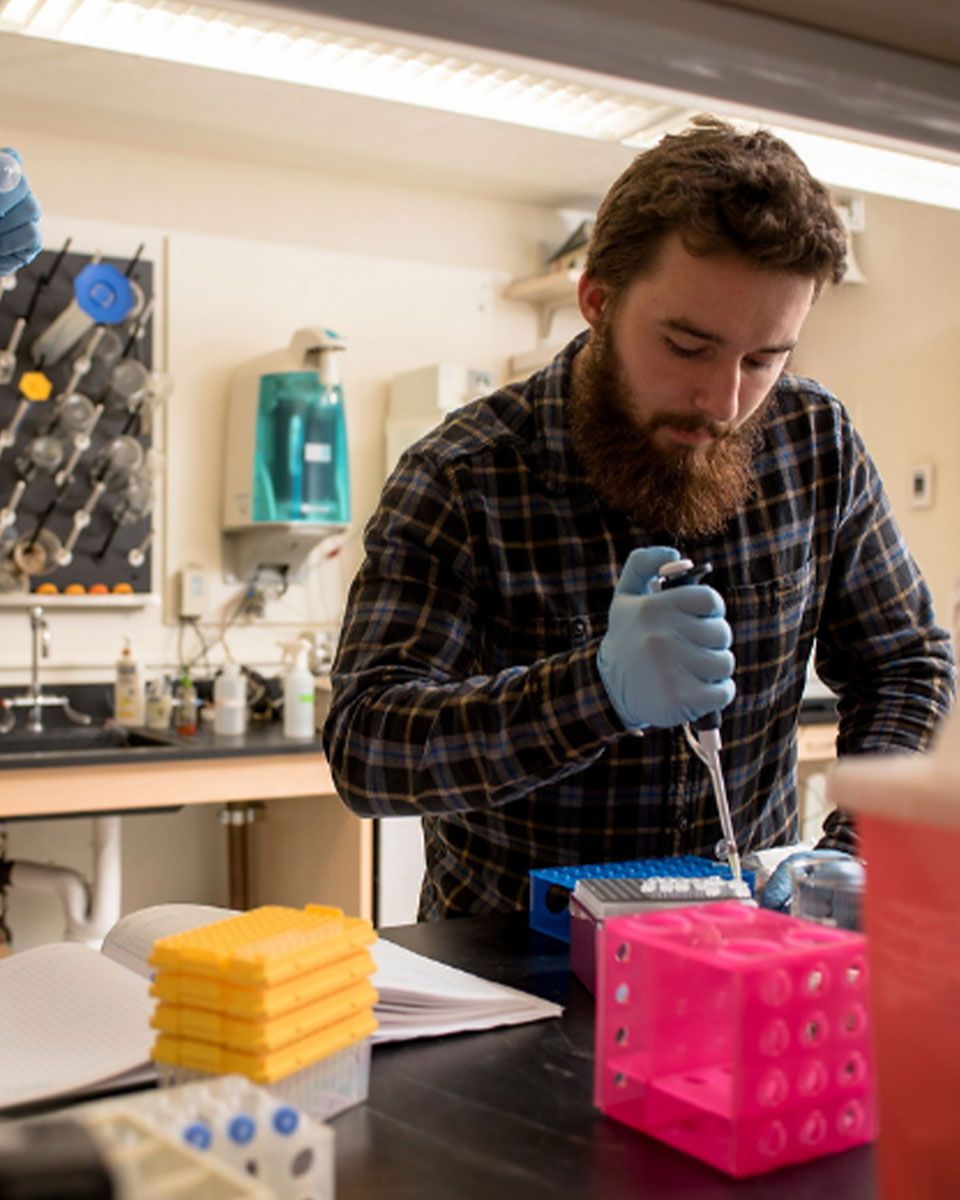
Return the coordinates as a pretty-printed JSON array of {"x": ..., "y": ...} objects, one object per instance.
[{"x": 776, "y": 891}]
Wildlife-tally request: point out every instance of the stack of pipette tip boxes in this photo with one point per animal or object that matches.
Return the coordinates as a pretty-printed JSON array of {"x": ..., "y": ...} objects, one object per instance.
[{"x": 279, "y": 995}]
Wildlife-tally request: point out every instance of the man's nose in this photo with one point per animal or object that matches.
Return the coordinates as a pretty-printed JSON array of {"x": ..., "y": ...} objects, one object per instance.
[{"x": 718, "y": 397}]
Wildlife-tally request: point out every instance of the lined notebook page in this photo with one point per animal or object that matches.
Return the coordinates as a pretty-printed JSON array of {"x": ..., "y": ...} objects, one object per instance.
[
  {"x": 420, "y": 997},
  {"x": 130, "y": 941},
  {"x": 70, "y": 1019}
]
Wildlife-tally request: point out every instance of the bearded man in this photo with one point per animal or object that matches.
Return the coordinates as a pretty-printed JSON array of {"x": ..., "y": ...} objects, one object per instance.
[{"x": 507, "y": 668}]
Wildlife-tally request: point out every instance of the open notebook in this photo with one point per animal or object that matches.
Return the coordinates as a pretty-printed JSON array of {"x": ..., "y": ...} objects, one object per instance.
[{"x": 76, "y": 1022}]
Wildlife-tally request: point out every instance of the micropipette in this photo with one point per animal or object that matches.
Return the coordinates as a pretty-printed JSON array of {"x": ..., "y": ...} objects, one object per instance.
[{"x": 705, "y": 743}]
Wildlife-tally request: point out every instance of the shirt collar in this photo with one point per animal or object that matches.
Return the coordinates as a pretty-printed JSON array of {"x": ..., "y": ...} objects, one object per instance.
[{"x": 550, "y": 392}]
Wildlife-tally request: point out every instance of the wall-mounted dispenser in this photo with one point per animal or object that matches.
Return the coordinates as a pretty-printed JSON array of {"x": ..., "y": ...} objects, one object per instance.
[{"x": 286, "y": 473}]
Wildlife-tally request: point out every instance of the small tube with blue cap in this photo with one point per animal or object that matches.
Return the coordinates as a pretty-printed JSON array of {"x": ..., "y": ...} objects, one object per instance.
[
  {"x": 102, "y": 295},
  {"x": 703, "y": 735}
]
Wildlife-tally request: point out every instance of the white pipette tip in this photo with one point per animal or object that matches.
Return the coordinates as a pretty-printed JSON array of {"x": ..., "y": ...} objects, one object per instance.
[{"x": 10, "y": 172}]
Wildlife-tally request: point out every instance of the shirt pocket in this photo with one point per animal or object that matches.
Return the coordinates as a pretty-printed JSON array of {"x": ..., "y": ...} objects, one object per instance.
[{"x": 773, "y": 623}]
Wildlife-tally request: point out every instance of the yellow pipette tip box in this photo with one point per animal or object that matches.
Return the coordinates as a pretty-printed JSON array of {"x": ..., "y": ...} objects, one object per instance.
[
  {"x": 263, "y": 1037},
  {"x": 259, "y": 1003},
  {"x": 264, "y": 947},
  {"x": 269, "y": 1067},
  {"x": 280, "y": 995}
]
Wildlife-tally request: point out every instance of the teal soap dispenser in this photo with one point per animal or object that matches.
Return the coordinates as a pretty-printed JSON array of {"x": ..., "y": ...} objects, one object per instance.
[{"x": 287, "y": 469}]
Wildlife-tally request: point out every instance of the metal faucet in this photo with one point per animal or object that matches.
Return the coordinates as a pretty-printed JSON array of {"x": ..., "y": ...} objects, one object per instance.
[
  {"x": 39, "y": 645},
  {"x": 35, "y": 699}
]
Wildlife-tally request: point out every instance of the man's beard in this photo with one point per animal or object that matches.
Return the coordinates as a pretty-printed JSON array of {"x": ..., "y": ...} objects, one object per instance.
[{"x": 684, "y": 491}]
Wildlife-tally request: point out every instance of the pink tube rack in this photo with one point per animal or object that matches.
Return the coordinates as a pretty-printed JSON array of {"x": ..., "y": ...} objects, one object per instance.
[{"x": 736, "y": 1035}]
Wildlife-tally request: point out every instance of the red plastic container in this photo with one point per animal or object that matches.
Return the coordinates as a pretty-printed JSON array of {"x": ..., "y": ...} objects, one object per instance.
[{"x": 908, "y": 814}]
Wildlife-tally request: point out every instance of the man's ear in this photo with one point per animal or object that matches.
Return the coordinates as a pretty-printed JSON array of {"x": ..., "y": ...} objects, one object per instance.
[{"x": 591, "y": 296}]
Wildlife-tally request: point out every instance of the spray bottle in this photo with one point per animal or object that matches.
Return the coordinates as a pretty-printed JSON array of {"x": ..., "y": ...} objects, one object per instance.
[{"x": 298, "y": 691}]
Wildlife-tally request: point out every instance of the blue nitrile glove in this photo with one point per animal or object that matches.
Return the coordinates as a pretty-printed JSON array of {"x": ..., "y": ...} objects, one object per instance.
[
  {"x": 665, "y": 657},
  {"x": 19, "y": 231},
  {"x": 776, "y": 891}
]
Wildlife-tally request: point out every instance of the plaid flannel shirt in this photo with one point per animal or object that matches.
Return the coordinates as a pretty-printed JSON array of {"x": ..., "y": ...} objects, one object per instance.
[{"x": 466, "y": 690}]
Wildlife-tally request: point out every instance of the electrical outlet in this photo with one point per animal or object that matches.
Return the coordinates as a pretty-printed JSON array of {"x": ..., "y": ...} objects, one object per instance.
[{"x": 193, "y": 593}]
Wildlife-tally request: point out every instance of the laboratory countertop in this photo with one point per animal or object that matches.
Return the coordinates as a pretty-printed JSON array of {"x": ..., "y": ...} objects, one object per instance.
[
  {"x": 509, "y": 1113},
  {"x": 50, "y": 774},
  {"x": 261, "y": 738},
  {"x": 54, "y": 747}
]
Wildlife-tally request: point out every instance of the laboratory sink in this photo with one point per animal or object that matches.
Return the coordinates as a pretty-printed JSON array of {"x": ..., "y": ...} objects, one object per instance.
[{"x": 82, "y": 739}]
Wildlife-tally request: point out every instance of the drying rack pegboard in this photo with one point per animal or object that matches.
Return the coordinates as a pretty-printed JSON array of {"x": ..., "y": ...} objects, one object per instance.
[{"x": 111, "y": 560}]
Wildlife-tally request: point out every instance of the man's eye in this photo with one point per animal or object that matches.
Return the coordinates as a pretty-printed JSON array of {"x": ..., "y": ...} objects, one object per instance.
[
  {"x": 758, "y": 364},
  {"x": 683, "y": 351}
]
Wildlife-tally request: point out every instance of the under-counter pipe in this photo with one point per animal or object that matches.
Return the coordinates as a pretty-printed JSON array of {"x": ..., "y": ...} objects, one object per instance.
[
  {"x": 237, "y": 818},
  {"x": 104, "y": 910},
  {"x": 67, "y": 884},
  {"x": 91, "y": 909}
]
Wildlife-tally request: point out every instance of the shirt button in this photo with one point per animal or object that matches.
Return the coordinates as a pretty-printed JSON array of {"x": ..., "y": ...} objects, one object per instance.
[
  {"x": 578, "y": 630},
  {"x": 683, "y": 824}
]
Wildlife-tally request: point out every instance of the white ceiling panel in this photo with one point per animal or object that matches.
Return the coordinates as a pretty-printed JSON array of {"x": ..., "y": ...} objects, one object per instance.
[{"x": 145, "y": 102}]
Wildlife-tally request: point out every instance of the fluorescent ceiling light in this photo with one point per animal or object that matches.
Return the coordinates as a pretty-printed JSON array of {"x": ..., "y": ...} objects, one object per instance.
[
  {"x": 273, "y": 44},
  {"x": 360, "y": 64},
  {"x": 855, "y": 166},
  {"x": 858, "y": 167}
]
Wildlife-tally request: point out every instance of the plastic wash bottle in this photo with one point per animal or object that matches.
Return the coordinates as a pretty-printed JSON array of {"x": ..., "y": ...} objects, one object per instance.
[
  {"x": 298, "y": 693},
  {"x": 230, "y": 702},
  {"x": 128, "y": 698}
]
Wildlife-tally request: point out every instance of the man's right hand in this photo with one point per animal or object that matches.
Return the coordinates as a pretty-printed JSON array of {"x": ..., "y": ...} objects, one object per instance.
[{"x": 665, "y": 657}]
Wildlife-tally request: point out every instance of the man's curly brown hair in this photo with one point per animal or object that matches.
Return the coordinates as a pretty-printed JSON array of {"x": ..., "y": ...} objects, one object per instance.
[{"x": 722, "y": 191}]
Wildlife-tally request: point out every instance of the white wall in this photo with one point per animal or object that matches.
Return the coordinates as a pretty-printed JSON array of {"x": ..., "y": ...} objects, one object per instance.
[
  {"x": 250, "y": 254},
  {"x": 890, "y": 349}
]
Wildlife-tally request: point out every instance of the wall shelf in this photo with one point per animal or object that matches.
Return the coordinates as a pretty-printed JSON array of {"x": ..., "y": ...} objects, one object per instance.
[
  {"x": 548, "y": 293},
  {"x": 25, "y": 600}
]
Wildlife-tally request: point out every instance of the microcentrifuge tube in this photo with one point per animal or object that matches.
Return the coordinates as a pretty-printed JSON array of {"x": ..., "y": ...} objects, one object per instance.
[{"x": 10, "y": 172}]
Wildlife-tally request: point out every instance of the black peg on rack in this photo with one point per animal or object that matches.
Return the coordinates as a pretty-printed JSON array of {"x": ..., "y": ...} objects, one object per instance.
[
  {"x": 45, "y": 280},
  {"x": 111, "y": 534},
  {"x": 132, "y": 264}
]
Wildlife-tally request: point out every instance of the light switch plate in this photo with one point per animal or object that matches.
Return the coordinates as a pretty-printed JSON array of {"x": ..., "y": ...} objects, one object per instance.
[{"x": 921, "y": 485}]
